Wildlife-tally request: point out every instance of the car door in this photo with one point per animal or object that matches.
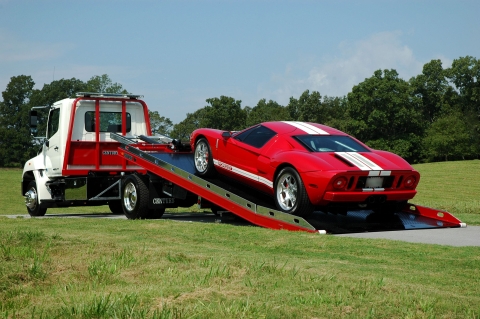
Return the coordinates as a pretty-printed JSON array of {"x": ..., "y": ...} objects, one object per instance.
[
  {"x": 242, "y": 153},
  {"x": 52, "y": 148}
]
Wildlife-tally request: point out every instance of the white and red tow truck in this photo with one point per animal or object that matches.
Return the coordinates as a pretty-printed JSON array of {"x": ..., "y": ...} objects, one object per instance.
[{"x": 99, "y": 150}]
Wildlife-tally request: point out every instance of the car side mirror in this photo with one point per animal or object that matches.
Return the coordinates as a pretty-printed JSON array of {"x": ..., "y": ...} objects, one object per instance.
[{"x": 226, "y": 134}]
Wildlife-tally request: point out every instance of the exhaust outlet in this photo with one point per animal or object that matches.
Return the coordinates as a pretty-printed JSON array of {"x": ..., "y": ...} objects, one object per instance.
[
  {"x": 371, "y": 199},
  {"x": 379, "y": 199}
]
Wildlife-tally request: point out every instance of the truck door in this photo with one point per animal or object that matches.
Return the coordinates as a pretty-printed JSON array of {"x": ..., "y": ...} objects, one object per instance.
[{"x": 52, "y": 148}]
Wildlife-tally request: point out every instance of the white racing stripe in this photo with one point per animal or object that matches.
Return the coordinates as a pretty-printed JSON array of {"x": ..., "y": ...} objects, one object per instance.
[
  {"x": 353, "y": 160},
  {"x": 243, "y": 173},
  {"x": 307, "y": 128},
  {"x": 365, "y": 160},
  {"x": 363, "y": 163}
]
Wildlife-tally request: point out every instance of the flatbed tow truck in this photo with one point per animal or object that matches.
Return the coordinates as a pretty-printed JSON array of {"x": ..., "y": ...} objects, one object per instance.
[{"x": 99, "y": 151}]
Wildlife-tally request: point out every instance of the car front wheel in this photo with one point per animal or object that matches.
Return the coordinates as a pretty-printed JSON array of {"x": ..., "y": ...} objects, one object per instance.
[
  {"x": 203, "y": 158},
  {"x": 290, "y": 194}
]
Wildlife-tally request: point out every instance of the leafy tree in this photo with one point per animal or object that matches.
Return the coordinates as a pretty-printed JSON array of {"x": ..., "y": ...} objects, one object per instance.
[
  {"x": 224, "y": 113},
  {"x": 307, "y": 108},
  {"x": 103, "y": 84},
  {"x": 431, "y": 87},
  {"x": 160, "y": 124},
  {"x": 449, "y": 137},
  {"x": 193, "y": 121},
  {"x": 15, "y": 138},
  {"x": 465, "y": 74},
  {"x": 266, "y": 111},
  {"x": 335, "y": 109},
  {"x": 385, "y": 114},
  {"x": 56, "y": 91}
]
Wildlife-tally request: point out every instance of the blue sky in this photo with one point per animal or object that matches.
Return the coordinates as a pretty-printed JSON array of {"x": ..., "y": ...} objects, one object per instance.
[{"x": 179, "y": 53}]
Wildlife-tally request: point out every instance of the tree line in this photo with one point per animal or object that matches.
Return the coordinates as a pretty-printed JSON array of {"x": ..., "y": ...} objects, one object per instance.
[{"x": 434, "y": 116}]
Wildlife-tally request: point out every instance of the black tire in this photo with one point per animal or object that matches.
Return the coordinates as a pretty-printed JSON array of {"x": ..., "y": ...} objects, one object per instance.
[
  {"x": 290, "y": 194},
  {"x": 116, "y": 207},
  {"x": 203, "y": 158},
  {"x": 135, "y": 197},
  {"x": 32, "y": 202}
]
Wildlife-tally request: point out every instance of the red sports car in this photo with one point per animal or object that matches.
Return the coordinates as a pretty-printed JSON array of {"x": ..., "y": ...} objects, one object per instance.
[{"x": 306, "y": 166}]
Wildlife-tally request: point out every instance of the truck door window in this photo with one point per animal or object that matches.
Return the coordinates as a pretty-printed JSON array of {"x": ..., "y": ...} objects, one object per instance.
[
  {"x": 53, "y": 122},
  {"x": 109, "y": 121}
]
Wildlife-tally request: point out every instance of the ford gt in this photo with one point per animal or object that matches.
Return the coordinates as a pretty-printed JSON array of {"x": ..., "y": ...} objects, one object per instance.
[{"x": 306, "y": 167}]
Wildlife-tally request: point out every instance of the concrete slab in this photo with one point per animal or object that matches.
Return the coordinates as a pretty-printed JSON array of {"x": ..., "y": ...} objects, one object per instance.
[{"x": 459, "y": 237}]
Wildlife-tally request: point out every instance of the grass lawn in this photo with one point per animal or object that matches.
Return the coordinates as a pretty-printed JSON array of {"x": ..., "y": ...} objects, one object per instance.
[{"x": 109, "y": 268}]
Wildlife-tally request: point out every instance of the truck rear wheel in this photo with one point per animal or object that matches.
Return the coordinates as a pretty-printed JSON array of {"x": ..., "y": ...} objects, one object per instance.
[
  {"x": 135, "y": 197},
  {"x": 31, "y": 201}
]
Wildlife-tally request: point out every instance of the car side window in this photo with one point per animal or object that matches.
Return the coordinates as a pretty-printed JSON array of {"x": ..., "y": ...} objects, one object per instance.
[{"x": 256, "y": 137}]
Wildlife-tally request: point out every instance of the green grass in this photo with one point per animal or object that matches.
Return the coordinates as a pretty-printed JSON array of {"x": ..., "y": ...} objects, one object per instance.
[
  {"x": 109, "y": 268},
  {"x": 71, "y": 268}
]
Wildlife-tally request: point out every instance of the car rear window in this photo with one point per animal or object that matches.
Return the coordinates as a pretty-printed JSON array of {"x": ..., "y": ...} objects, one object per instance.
[{"x": 330, "y": 143}]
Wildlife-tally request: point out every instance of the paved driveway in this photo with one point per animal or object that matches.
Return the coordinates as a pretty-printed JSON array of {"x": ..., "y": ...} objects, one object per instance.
[{"x": 469, "y": 236}]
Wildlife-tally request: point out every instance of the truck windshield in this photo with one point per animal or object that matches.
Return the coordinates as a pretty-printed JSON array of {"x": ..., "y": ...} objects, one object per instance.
[
  {"x": 109, "y": 121},
  {"x": 330, "y": 143}
]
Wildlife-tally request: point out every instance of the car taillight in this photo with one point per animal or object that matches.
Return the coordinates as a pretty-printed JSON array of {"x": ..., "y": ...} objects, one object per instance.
[
  {"x": 340, "y": 182},
  {"x": 410, "y": 181}
]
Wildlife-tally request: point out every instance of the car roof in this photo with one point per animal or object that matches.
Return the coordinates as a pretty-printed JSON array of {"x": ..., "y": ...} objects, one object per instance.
[{"x": 301, "y": 128}]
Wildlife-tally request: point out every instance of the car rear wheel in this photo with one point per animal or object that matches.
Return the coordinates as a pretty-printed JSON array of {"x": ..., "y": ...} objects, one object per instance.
[
  {"x": 290, "y": 194},
  {"x": 203, "y": 158}
]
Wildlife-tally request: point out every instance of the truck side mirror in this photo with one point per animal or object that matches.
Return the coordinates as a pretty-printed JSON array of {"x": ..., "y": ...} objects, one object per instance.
[{"x": 33, "y": 123}]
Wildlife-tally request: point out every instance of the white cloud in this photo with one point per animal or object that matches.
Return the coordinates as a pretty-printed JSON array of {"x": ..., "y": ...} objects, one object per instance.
[{"x": 335, "y": 76}]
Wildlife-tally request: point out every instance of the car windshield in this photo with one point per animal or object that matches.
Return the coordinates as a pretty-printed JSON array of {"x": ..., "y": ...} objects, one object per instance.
[{"x": 330, "y": 143}]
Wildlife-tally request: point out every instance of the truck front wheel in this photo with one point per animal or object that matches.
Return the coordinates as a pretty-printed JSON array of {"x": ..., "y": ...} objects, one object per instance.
[
  {"x": 32, "y": 202},
  {"x": 135, "y": 197}
]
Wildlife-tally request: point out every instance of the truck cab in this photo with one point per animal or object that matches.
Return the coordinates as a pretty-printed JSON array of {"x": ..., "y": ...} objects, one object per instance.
[{"x": 78, "y": 164}]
